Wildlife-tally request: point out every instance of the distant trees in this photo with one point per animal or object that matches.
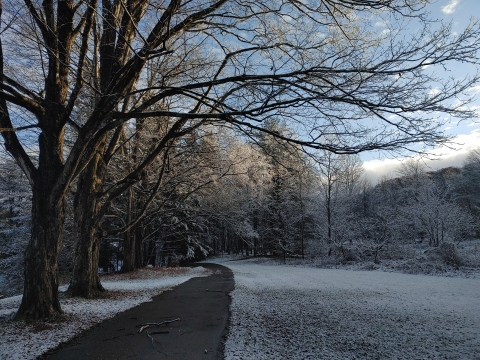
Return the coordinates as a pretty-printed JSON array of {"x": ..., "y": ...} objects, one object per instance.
[
  {"x": 468, "y": 191},
  {"x": 265, "y": 197},
  {"x": 183, "y": 214},
  {"x": 286, "y": 190},
  {"x": 236, "y": 203},
  {"x": 425, "y": 205},
  {"x": 340, "y": 182},
  {"x": 430, "y": 202},
  {"x": 418, "y": 206},
  {"x": 15, "y": 193},
  {"x": 441, "y": 220},
  {"x": 219, "y": 194},
  {"x": 15, "y": 202}
]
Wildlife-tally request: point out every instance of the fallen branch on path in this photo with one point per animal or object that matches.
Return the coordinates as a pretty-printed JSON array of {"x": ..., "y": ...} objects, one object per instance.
[
  {"x": 214, "y": 290},
  {"x": 151, "y": 338},
  {"x": 147, "y": 325}
]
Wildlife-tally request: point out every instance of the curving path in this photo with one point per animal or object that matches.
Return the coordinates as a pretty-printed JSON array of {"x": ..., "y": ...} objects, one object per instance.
[{"x": 202, "y": 304}]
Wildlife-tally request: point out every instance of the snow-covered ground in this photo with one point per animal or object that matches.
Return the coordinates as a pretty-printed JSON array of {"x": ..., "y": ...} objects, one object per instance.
[
  {"x": 3, "y": 282},
  {"x": 21, "y": 341},
  {"x": 286, "y": 312}
]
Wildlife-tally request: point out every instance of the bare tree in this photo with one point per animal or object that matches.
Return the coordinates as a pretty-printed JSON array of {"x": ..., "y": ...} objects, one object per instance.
[
  {"x": 469, "y": 187},
  {"x": 324, "y": 69},
  {"x": 412, "y": 168},
  {"x": 438, "y": 215},
  {"x": 339, "y": 181}
]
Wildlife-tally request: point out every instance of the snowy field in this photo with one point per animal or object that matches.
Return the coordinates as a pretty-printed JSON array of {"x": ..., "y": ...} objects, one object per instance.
[
  {"x": 21, "y": 341},
  {"x": 286, "y": 312}
]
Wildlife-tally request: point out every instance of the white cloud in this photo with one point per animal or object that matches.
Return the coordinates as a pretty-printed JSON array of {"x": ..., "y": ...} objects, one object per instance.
[
  {"x": 450, "y": 7},
  {"x": 475, "y": 89},
  {"x": 428, "y": 63},
  {"x": 376, "y": 169},
  {"x": 442, "y": 157},
  {"x": 470, "y": 108},
  {"x": 381, "y": 23}
]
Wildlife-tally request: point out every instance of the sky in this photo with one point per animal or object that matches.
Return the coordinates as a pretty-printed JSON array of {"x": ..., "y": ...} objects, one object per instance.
[{"x": 467, "y": 133}]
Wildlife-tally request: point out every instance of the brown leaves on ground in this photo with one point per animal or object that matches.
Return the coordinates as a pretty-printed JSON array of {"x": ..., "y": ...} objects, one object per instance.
[{"x": 147, "y": 273}]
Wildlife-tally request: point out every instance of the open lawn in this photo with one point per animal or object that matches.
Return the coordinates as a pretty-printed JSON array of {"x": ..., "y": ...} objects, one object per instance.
[{"x": 286, "y": 312}]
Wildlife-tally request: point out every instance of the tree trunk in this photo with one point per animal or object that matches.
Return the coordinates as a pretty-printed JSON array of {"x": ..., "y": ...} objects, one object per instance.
[
  {"x": 40, "y": 294},
  {"x": 139, "y": 235},
  {"x": 128, "y": 251},
  {"x": 129, "y": 238},
  {"x": 85, "y": 281},
  {"x": 329, "y": 216},
  {"x": 149, "y": 254}
]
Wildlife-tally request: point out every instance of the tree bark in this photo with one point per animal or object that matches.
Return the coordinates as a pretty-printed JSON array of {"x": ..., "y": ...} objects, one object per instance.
[
  {"x": 85, "y": 281},
  {"x": 128, "y": 252},
  {"x": 40, "y": 294},
  {"x": 139, "y": 235}
]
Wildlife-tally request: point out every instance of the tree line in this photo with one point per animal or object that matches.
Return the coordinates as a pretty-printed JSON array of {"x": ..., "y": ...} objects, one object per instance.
[{"x": 220, "y": 194}]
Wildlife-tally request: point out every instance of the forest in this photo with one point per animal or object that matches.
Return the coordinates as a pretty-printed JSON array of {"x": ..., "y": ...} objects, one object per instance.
[
  {"x": 141, "y": 133},
  {"x": 218, "y": 194}
]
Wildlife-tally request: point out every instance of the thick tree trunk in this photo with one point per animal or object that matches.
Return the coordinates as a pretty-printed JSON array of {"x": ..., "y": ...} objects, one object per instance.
[
  {"x": 85, "y": 281},
  {"x": 40, "y": 294}
]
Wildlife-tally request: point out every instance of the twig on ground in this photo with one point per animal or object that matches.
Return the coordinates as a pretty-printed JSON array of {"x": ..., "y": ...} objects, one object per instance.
[
  {"x": 214, "y": 290},
  {"x": 151, "y": 338},
  {"x": 147, "y": 325},
  {"x": 143, "y": 328}
]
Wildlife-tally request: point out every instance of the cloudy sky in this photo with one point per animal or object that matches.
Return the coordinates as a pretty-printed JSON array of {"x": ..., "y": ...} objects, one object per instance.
[{"x": 467, "y": 133}]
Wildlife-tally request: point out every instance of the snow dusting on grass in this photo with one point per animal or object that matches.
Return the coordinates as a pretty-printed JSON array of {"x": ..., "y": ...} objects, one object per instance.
[
  {"x": 286, "y": 312},
  {"x": 19, "y": 340}
]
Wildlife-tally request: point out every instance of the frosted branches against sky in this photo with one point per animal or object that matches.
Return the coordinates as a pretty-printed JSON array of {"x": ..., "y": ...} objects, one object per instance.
[{"x": 458, "y": 13}]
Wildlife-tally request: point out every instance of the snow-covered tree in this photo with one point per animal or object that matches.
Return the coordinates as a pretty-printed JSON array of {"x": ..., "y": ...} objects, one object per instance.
[
  {"x": 15, "y": 208},
  {"x": 340, "y": 184}
]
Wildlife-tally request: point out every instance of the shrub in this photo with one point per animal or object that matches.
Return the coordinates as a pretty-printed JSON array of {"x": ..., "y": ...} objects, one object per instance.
[{"x": 449, "y": 254}]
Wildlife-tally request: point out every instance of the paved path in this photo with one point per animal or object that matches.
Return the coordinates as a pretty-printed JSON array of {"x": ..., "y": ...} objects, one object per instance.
[{"x": 202, "y": 304}]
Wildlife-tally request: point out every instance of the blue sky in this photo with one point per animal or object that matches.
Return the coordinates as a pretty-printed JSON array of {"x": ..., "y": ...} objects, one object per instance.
[{"x": 467, "y": 133}]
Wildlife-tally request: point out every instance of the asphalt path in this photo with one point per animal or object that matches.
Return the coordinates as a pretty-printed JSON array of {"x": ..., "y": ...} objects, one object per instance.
[{"x": 202, "y": 306}]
